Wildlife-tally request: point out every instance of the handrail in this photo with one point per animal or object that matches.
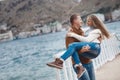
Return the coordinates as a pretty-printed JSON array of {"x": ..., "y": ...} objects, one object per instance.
[{"x": 110, "y": 49}]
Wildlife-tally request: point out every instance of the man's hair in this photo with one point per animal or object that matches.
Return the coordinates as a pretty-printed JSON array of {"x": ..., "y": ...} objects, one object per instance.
[{"x": 73, "y": 17}]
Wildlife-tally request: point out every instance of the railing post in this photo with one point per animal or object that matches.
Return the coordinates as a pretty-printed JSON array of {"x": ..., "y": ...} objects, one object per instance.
[
  {"x": 58, "y": 75},
  {"x": 65, "y": 71},
  {"x": 70, "y": 70}
]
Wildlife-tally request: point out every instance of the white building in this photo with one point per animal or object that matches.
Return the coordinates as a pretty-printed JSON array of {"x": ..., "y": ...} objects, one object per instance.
[
  {"x": 116, "y": 15},
  {"x": 100, "y": 16}
]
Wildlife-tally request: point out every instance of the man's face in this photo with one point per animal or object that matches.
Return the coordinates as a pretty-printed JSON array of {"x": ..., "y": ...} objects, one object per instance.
[{"x": 78, "y": 21}]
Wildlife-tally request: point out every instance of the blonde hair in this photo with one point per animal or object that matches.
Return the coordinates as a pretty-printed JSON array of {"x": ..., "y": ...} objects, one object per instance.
[{"x": 97, "y": 23}]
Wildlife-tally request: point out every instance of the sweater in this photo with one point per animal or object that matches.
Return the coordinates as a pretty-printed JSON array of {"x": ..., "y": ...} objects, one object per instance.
[
  {"x": 93, "y": 36},
  {"x": 70, "y": 40}
]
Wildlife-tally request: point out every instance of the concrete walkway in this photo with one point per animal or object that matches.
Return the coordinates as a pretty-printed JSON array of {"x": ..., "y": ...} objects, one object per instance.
[{"x": 109, "y": 71}]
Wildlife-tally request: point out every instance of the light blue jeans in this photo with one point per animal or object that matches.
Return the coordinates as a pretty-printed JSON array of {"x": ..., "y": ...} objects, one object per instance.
[
  {"x": 85, "y": 76},
  {"x": 74, "y": 47},
  {"x": 89, "y": 73}
]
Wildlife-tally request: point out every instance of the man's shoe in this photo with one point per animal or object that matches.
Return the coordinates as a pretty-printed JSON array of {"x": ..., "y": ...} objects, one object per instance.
[{"x": 56, "y": 64}]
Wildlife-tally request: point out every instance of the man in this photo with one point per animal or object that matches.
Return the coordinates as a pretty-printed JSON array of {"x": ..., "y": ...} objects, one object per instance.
[{"x": 76, "y": 23}]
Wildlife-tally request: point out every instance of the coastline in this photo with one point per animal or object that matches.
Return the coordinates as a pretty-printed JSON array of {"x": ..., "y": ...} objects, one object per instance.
[{"x": 38, "y": 32}]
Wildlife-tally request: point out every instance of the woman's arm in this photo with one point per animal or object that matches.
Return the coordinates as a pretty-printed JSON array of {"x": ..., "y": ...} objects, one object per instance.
[{"x": 92, "y": 36}]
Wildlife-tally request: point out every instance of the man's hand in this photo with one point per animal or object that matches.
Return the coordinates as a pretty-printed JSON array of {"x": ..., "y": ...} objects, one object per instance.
[
  {"x": 71, "y": 34},
  {"x": 70, "y": 30},
  {"x": 84, "y": 49}
]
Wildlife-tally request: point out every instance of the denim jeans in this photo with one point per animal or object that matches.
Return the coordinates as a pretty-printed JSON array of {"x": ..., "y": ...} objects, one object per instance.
[
  {"x": 85, "y": 76},
  {"x": 89, "y": 73},
  {"x": 90, "y": 69},
  {"x": 74, "y": 47}
]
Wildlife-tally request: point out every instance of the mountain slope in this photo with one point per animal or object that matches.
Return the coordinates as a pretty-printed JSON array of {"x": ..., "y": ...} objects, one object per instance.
[{"x": 20, "y": 14}]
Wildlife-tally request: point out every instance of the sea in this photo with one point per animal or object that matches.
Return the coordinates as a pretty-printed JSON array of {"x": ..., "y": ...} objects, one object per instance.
[{"x": 25, "y": 59}]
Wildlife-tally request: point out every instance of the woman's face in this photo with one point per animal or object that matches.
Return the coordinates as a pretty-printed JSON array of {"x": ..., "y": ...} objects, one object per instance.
[{"x": 89, "y": 22}]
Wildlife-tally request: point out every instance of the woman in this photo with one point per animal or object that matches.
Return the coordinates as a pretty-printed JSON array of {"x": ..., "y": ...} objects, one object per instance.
[{"x": 92, "y": 39}]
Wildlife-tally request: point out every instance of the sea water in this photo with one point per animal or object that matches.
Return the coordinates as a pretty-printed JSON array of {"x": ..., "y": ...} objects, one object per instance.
[{"x": 26, "y": 59}]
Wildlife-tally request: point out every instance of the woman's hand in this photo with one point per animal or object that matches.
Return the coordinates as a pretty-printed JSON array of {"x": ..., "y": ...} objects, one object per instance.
[{"x": 100, "y": 39}]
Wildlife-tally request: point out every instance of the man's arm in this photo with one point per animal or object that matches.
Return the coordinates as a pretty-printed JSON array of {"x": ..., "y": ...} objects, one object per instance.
[
  {"x": 70, "y": 40},
  {"x": 92, "y": 36}
]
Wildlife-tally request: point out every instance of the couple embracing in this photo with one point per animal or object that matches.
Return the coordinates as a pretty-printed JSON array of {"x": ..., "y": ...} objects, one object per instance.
[{"x": 83, "y": 47}]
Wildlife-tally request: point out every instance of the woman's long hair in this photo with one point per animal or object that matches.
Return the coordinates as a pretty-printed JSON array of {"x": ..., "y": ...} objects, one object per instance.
[{"x": 97, "y": 23}]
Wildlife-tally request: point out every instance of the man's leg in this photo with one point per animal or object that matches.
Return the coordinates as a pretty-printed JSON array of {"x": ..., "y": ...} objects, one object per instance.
[
  {"x": 85, "y": 76},
  {"x": 90, "y": 69}
]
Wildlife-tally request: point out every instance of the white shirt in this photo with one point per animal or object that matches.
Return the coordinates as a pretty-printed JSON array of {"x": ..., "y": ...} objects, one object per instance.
[{"x": 93, "y": 36}]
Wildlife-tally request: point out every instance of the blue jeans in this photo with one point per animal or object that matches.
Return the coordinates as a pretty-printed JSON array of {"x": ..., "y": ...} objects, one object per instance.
[
  {"x": 74, "y": 47},
  {"x": 85, "y": 76},
  {"x": 89, "y": 73},
  {"x": 90, "y": 69}
]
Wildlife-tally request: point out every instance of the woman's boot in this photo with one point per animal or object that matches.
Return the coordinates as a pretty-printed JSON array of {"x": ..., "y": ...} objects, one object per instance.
[{"x": 56, "y": 64}]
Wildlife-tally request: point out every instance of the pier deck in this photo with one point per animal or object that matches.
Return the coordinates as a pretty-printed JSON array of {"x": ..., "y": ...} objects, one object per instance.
[{"x": 109, "y": 71}]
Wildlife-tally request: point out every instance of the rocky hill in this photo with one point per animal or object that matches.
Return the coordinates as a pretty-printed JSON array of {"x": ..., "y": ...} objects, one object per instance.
[{"x": 20, "y": 15}]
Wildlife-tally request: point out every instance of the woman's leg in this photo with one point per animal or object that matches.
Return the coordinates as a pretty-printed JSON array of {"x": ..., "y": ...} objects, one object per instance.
[
  {"x": 92, "y": 53},
  {"x": 71, "y": 52},
  {"x": 72, "y": 49},
  {"x": 76, "y": 59},
  {"x": 94, "y": 49},
  {"x": 58, "y": 63}
]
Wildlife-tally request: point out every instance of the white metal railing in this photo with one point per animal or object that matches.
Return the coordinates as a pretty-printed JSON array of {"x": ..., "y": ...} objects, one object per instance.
[{"x": 110, "y": 49}]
